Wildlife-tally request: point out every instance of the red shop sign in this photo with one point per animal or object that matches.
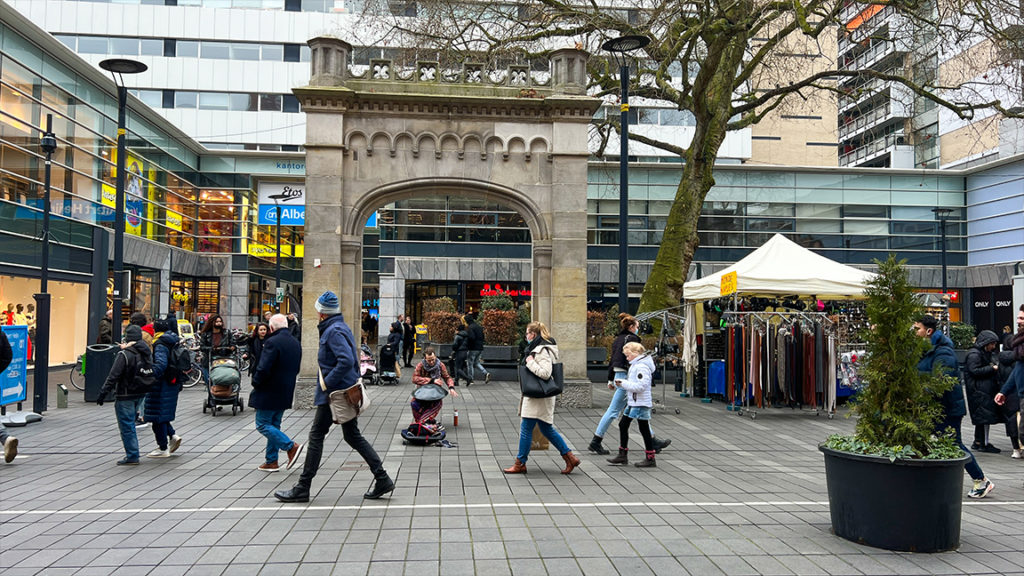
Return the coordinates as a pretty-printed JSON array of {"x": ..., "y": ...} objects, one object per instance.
[{"x": 498, "y": 290}]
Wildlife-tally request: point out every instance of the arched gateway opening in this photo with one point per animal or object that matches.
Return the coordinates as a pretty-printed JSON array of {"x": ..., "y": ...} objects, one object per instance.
[{"x": 383, "y": 137}]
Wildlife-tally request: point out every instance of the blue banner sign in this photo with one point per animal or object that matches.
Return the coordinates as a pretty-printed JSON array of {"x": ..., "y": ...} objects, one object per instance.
[
  {"x": 13, "y": 386},
  {"x": 290, "y": 215}
]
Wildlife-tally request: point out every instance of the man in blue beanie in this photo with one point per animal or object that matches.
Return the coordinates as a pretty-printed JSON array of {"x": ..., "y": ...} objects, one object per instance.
[{"x": 338, "y": 360}]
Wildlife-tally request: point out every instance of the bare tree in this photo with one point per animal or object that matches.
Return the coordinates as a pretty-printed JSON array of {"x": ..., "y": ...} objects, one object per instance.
[{"x": 731, "y": 63}]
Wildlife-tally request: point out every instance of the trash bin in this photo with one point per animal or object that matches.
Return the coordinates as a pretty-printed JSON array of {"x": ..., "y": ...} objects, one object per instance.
[{"x": 99, "y": 359}]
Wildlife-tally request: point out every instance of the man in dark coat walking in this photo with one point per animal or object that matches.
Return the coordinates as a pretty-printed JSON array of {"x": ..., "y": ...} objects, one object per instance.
[
  {"x": 273, "y": 387},
  {"x": 338, "y": 361},
  {"x": 981, "y": 379},
  {"x": 130, "y": 379}
]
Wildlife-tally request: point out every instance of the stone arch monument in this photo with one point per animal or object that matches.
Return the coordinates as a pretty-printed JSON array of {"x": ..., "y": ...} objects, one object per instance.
[{"x": 387, "y": 135}]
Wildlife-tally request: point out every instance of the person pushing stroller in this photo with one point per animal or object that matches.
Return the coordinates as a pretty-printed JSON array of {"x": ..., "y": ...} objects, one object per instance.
[{"x": 432, "y": 383}]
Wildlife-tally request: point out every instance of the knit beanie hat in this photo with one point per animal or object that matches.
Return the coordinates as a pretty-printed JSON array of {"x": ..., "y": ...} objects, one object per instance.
[
  {"x": 327, "y": 303},
  {"x": 132, "y": 333},
  {"x": 148, "y": 329}
]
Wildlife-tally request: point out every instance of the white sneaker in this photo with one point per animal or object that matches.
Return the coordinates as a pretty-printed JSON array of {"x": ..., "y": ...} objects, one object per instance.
[
  {"x": 175, "y": 442},
  {"x": 158, "y": 453},
  {"x": 1016, "y": 454}
]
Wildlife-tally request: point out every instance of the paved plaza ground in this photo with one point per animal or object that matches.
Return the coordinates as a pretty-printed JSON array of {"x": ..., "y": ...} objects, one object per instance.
[{"x": 732, "y": 495}]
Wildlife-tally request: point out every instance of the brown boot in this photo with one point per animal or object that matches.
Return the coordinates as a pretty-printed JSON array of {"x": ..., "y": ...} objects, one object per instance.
[
  {"x": 647, "y": 462},
  {"x": 517, "y": 468},
  {"x": 621, "y": 459},
  {"x": 571, "y": 461}
]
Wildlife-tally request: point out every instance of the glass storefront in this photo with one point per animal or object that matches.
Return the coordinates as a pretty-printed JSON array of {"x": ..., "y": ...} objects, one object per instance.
[{"x": 69, "y": 313}]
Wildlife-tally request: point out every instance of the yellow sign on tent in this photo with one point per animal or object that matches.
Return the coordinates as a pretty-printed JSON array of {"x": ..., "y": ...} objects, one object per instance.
[{"x": 729, "y": 282}]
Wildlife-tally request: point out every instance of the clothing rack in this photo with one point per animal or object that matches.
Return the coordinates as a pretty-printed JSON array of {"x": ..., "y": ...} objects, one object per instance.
[
  {"x": 665, "y": 350},
  {"x": 781, "y": 358}
]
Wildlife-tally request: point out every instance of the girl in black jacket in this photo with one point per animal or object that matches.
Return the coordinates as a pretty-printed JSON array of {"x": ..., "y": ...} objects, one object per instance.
[{"x": 981, "y": 380}]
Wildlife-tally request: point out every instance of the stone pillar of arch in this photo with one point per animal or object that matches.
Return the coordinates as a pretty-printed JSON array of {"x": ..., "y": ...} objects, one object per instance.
[{"x": 385, "y": 136}]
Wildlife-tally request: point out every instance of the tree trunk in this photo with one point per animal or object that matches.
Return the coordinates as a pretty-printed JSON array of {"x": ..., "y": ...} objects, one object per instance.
[{"x": 664, "y": 288}]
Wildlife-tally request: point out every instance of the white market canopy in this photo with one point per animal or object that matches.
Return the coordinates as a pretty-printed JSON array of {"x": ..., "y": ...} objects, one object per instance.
[{"x": 781, "y": 267}]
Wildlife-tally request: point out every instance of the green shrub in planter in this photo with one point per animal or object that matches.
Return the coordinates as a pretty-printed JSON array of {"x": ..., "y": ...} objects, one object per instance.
[
  {"x": 962, "y": 335},
  {"x": 497, "y": 302},
  {"x": 441, "y": 320},
  {"x": 898, "y": 408},
  {"x": 499, "y": 327}
]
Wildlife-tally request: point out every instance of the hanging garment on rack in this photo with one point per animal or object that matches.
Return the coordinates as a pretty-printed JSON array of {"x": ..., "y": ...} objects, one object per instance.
[
  {"x": 820, "y": 361},
  {"x": 830, "y": 374},
  {"x": 756, "y": 354},
  {"x": 798, "y": 366},
  {"x": 730, "y": 381},
  {"x": 809, "y": 363},
  {"x": 780, "y": 353},
  {"x": 741, "y": 363}
]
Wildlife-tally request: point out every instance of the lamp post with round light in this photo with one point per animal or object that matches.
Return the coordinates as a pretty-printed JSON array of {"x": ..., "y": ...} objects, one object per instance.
[
  {"x": 117, "y": 68},
  {"x": 620, "y": 48}
]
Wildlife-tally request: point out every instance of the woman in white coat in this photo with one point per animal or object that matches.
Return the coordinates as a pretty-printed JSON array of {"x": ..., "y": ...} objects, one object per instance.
[{"x": 541, "y": 353}]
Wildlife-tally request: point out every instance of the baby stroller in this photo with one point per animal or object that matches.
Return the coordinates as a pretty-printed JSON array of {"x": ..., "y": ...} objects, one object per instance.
[
  {"x": 388, "y": 360},
  {"x": 367, "y": 366},
  {"x": 426, "y": 405},
  {"x": 224, "y": 386}
]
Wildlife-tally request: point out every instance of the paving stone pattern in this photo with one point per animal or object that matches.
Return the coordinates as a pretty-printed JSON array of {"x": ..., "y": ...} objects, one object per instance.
[{"x": 732, "y": 495}]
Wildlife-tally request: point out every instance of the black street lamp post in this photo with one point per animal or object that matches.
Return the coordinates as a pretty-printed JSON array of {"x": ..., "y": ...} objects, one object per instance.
[
  {"x": 40, "y": 378},
  {"x": 620, "y": 48},
  {"x": 942, "y": 214},
  {"x": 118, "y": 67},
  {"x": 277, "y": 263}
]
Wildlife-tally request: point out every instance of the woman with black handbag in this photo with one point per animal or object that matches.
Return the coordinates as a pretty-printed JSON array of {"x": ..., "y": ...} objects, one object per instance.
[{"x": 540, "y": 357}]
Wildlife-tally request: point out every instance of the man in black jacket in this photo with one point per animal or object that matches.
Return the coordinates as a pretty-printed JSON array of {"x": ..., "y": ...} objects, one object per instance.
[
  {"x": 273, "y": 386},
  {"x": 981, "y": 379},
  {"x": 476, "y": 347},
  {"x": 10, "y": 443},
  {"x": 130, "y": 379}
]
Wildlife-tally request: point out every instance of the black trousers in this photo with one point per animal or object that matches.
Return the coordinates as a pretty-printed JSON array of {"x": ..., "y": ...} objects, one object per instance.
[
  {"x": 407, "y": 352},
  {"x": 322, "y": 422}
]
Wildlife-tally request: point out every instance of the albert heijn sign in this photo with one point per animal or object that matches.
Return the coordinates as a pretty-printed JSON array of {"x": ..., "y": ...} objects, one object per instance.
[{"x": 289, "y": 196}]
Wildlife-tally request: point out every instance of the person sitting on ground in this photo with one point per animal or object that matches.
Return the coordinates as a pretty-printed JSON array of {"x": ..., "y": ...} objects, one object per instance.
[{"x": 430, "y": 371}]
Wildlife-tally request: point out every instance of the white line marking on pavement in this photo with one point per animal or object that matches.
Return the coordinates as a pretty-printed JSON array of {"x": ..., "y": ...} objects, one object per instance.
[{"x": 496, "y": 506}]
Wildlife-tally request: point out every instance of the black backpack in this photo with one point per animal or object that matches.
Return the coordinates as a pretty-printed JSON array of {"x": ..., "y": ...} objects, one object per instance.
[
  {"x": 139, "y": 376},
  {"x": 179, "y": 361}
]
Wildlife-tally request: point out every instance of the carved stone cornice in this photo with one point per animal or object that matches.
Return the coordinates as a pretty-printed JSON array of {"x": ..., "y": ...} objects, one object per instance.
[{"x": 489, "y": 104}]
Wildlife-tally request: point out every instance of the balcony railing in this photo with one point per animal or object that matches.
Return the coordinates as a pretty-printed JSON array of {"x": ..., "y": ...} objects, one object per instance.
[{"x": 871, "y": 148}]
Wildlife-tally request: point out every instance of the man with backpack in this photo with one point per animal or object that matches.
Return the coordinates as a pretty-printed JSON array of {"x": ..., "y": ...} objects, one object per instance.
[
  {"x": 170, "y": 362},
  {"x": 130, "y": 379}
]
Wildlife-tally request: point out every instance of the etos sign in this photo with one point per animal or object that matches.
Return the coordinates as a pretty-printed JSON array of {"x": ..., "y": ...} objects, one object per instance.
[{"x": 289, "y": 196}]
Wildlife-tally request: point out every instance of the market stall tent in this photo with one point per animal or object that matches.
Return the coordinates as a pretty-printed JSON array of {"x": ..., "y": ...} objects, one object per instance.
[{"x": 780, "y": 267}]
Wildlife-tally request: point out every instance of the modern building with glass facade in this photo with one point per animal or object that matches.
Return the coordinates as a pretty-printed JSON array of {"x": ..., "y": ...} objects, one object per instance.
[{"x": 194, "y": 244}]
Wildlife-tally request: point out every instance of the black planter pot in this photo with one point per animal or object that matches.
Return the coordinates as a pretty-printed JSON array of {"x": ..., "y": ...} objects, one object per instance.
[{"x": 906, "y": 505}]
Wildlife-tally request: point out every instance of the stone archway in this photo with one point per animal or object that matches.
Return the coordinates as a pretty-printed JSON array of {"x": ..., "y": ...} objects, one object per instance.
[{"x": 382, "y": 136}]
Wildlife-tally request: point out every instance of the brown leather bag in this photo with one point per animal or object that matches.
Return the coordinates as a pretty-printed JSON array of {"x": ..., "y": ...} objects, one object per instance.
[{"x": 354, "y": 395}]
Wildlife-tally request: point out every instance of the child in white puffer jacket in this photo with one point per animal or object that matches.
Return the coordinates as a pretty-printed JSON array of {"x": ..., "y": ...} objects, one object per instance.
[{"x": 638, "y": 396}]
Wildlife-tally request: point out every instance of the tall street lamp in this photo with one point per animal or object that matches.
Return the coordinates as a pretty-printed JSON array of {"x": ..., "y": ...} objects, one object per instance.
[
  {"x": 942, "y": 214},
  {"x": 117, "y": 68},
  {"x": 620, "y": 48},
  {"x": 40, "y": 379}
]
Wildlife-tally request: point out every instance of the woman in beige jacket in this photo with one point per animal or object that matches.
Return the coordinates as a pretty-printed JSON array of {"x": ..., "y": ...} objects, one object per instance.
[{"x": 541, "y": 353}]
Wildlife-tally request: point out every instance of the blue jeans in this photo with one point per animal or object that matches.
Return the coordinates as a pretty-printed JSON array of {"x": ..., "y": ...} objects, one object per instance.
[
  {"x": 615, "y": 408},
  {"x": 473, "y": 364},
  {"x": 973, "y": 470},
  {"x": 549, "y": 432},
  {"x": 268, "y": 423},
  {"x": 126, "y": 411}
]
